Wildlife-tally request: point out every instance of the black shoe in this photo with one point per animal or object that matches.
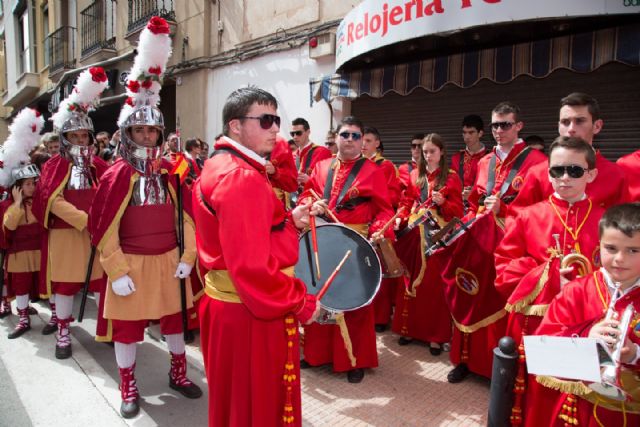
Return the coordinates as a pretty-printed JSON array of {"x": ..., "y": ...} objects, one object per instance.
[
  {"x": 304, "y": 364},
  {"x": 381, "y": 328},
  {"x": 191, "y": 391},
  {"x": 129, "y": 409},
  {"x": 458, "y": 373},
  {"x": 435, "y": 351},
  {"x": 36, "y": 299},
  {"x": 404, "y": 341},
  {"x": 49, "y": 328},
  {"x": 63, "y": 352},
  {"x": 17, "y": 332},
  {"x": 32, "y": 311},
  {"x": 355, "y": 376},
  {"x": 189, "y": 337},
  {"x": 5, "y": 313}
]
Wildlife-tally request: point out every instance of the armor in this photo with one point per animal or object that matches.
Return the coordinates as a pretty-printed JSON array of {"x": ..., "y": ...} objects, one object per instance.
[
  {"x": 25, "y": 172},
  {"x": 80, "y": 156}
]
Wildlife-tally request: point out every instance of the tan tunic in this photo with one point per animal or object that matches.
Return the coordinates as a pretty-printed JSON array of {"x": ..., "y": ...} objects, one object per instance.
[
  {"x": 23, "y": 261},
  {"x": 157, "y": 290}
]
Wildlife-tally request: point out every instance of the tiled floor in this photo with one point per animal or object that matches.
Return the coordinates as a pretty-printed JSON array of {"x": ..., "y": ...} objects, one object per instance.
[{"x": 409, "y": 388}]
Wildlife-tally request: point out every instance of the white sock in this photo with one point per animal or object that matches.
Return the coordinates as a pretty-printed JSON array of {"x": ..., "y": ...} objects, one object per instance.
[
  {"x": 64, "y": 306},
  {"x": 52, "y": 300},
  {"x": 175, "y": 342},
  {"x": 4, "y": 291},
  {"x": 22, "y": 301},
  {"x": 96, "y": 295},
  {"x": 125, "y": 354}
]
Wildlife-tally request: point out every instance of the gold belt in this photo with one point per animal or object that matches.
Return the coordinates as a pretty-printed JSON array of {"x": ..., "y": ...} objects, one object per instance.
[
  {"x": 362, "y": 229},
  {"x": 218, "y": 285}
]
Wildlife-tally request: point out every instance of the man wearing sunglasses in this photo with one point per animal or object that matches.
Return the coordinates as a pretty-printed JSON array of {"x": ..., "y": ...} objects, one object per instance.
[
  {"x": 500, "y": 177},
  {"x": 465, "y": 162},
  {"x": 247, "y": 245},
  {"x": 528, "y": 275},
  {"x": 308, "y": 154},
  {"x": 330, "y": 142},
  {"x": 404, "y": 171},
  {"x": 355, "y": 190},
  {"x": 579, "y": 116}
]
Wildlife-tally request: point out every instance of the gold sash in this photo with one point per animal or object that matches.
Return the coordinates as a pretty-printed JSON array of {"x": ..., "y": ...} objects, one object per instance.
[
  {"x": 362, "y": 229},
  {"x": 218, "y": 285}
]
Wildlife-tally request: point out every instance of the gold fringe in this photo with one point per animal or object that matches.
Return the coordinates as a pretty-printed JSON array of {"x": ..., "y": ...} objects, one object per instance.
[
  {"x": 499, "y": 221},
  {"x": 481, "y": 324},
  {"x": 423, "y": 265},
  {"x": 342, "y": 324},
  {"x": 520, "y": 306},
  {"x": 564, "y": 386},
  {"x": 536, "y": 310},
  {"x": 55, "y": 194}
]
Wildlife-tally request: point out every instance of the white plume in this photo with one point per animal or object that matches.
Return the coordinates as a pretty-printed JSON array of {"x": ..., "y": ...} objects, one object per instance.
[
  {"x": 24, "y": 136},
  {"x": 86, "y": 92}
]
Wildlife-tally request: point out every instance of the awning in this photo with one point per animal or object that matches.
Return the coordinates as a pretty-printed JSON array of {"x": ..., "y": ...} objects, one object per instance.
[{"x": 582, "y": 52}]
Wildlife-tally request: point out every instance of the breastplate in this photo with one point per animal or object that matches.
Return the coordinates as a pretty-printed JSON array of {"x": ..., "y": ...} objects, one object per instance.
[
  {"x": 149, "y": 190},
  {"x": 80, "y": 178}
]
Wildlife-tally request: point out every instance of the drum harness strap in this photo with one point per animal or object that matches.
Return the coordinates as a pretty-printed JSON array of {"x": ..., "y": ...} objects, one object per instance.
[
  {"x": 307, "y": 160},
  {"x": 206, "y": 204},
  {"x": 491, "y": 182},
  {"x": 351, "y": 203}
]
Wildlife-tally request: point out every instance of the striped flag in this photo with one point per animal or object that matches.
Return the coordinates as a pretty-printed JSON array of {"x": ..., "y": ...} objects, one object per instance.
[{"x": 181, "y": 167}]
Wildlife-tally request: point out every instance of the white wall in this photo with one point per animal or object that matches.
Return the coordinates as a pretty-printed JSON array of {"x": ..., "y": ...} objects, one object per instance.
[{"x": 284, "y": 74}]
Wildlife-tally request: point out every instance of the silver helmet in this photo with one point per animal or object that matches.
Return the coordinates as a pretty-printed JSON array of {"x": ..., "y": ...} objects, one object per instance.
[
  {"x": 80, "y": 155},
  {"x": 145, "y": 160},
  {"x": 24, "y": 172}
]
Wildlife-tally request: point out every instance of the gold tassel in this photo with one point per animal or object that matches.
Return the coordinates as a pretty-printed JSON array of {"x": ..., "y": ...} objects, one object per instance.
[
  {"x": 521, "y": 305},
  {"x": 342, "y": 324}
]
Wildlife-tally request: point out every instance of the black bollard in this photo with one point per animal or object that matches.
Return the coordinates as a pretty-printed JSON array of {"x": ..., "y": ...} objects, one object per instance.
[{"x": 503, "y": 377}]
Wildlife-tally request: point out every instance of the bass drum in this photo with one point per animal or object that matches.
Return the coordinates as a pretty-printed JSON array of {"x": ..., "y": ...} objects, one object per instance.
[{"x": 359, "y": 278}]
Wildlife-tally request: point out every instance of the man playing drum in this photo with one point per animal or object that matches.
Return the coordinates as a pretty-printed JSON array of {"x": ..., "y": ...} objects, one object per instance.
[{"x": 355, "y": 190}]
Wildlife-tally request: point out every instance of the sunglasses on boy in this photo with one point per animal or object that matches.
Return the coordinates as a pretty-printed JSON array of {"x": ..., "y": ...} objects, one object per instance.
[
  {"x": 296, "y": 133},
  {"x": 574, "y": 171},
  {"x": 502, "y": 125},
  {"x": 266, "y": 120},
  {"x": 354, "y": 135}
]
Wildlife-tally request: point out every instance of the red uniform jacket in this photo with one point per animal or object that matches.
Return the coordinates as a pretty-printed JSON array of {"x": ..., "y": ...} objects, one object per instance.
[
  {"x": 502, "y": 170},
  {"x": 469, "y": 165},
  {"x": 404, "y": 173},
  {"x": 393, "y": 180},
  {"x": 608, "y": 189},
  {"x": 304, "y": 163},
  {"x": 286, "y": 176},
  {"x": 630, "y": 164},
  {"x": 452, "y": 192}
]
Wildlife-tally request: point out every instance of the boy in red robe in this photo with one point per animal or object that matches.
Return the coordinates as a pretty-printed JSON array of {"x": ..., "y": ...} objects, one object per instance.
[
  {"x": 528, "y": 267},
  {"x": 465, "y": 161},
  {"x": 630, "y": 164},
  {"x": 581, "y": 309},
  {"x": 248, "y": 245}
]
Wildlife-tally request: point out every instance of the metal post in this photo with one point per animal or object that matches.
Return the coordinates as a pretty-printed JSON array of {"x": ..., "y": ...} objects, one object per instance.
[{"x": 503, "y": 376}]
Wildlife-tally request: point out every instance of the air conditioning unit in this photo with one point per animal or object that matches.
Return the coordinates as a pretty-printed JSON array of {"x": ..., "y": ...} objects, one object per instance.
[{"x": 322, "y": 45}]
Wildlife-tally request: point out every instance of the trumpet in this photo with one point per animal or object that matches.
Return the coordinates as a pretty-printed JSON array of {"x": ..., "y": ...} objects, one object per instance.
[
  {"x": 580, "y": 263},
  {"x": 611, "y": 386}
]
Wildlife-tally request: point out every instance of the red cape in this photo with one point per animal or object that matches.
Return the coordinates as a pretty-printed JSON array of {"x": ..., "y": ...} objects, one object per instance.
[{"x": 113, "y": 197}]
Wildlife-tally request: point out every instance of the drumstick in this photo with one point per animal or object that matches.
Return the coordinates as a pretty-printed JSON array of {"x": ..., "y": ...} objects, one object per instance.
[
  {"x": 388, "y": 224},
  {"x": 329, "y": 212},
  {"x": 326, "y": 285},
  {"x": 314, "y": 241}
]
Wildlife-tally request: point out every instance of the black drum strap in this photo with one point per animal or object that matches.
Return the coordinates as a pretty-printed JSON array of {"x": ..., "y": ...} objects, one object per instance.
[
  {"x": 491, "y": 182},
  {"x": 352, "y": 176},
  {"x": 307, "y": 160},
  {"x": 461, "y": 167}
]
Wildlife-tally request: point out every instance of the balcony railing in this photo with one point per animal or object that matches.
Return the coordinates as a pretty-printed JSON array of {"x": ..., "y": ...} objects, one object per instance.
[
  {"x": 61, "y": 48},
  {"x": 140, "y": 11},
  {"x": 97, "y": 27}
]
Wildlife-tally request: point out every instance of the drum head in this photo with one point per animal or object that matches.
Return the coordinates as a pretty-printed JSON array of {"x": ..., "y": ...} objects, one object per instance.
[{"x": 359, "y": 278}]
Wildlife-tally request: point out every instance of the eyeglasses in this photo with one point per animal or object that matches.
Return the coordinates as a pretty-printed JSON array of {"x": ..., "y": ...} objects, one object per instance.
[
  {"x": 414, "y": 146},
  {"x": 296, "y": 133},
  {"x": 502, "y": 125},
  {"x": 354, "y": 135},
  {"x": 573, "y": 171},
  {"x": 266, "y": 120},
  {"x": 329, "y": 144}
]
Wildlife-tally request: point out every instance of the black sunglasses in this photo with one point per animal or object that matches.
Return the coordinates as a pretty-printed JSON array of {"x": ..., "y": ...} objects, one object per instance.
[
  {"x": 573, "y": 171},
  {"x": 502, "y": 125},
  {"x": 266, "y": 120},
  {"x": 413, "y": 146},
  {"x": 329, "y": 144},
  {"x": 354, "y": 135},
  {"x": 296, "y": 133}
]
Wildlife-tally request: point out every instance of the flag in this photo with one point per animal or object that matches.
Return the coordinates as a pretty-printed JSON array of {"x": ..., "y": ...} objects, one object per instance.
[{"x": 181, "y": 167}]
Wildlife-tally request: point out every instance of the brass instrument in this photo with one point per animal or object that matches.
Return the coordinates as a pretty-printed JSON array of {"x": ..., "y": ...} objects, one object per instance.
[{"x": 580, "y": 263}]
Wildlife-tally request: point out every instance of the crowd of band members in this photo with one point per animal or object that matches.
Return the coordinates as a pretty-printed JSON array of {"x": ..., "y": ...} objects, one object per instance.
[{"x": 415, "y": 305}]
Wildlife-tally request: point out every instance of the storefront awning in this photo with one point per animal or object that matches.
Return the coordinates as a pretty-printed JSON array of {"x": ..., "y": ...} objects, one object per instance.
[{"x": 582, "y": 52}]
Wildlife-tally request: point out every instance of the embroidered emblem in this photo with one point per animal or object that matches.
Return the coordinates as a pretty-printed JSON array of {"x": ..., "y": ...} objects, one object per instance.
[
  {"x": 467, "y": 281},
  {"x": 517, "y": 183},
  {"x": 635, "y": 325},
  {"x": 353, "y": 192},
  {"x": 595, "y": 258}
]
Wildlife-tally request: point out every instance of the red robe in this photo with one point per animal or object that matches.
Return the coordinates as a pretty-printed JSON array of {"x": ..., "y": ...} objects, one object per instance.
[
  {"x": 608, "y": 189},
  {"x": 630, "y": 165},
  {"x": 404, "y": 173},
  {"x": 581, "y": 304},
  {"x": 323, "y": 343},
  {"x": 501, "y": 173},
  {"x": 421, "y": 309},
  {"x": 469, "y": 165},
  {"x": 317, "y": 153},
  {"x": 286, "y": 176},
  {"x": 248, "y": 347}
]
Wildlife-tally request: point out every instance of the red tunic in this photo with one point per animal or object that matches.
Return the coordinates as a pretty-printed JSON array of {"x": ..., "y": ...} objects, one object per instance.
[
  {"x": 305, "y": 164},
  {"x": 630, "y": 164},
  {"x": 286, "y": 177},
  {"x": 580, "y": 305},
  {"x": 393, "y": 180},
  {"x": 404, "y": 173},
  {"x": 323, "y": 343},
  {"x": 421, "y": 307},
  {"x": 469, "y": 165},
  {"x": 502, "y": 170},
  {"x": 246, "y": 345},
  {"x": 608, "y": 189}
]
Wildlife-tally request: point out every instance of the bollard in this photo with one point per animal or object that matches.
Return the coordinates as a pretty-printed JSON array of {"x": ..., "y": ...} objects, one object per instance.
[{"x": 503, "y": 376}]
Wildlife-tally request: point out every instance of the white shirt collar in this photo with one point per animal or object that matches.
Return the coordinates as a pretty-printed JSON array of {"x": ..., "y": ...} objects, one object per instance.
[
  {"x": 246, "y": 151},
  {"x": 557, "y": 196},
  {"x": 503, "y": 154},
  {"x": 479, "y": 150},
  {"x": 612, "y": 287}
]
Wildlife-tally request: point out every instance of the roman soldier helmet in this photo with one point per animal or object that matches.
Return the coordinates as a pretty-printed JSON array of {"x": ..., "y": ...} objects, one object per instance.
[
  {"x": 24, "y": 137},
  {"x": 72, "y": 115},
  {"x": 143, "y": 89}
]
